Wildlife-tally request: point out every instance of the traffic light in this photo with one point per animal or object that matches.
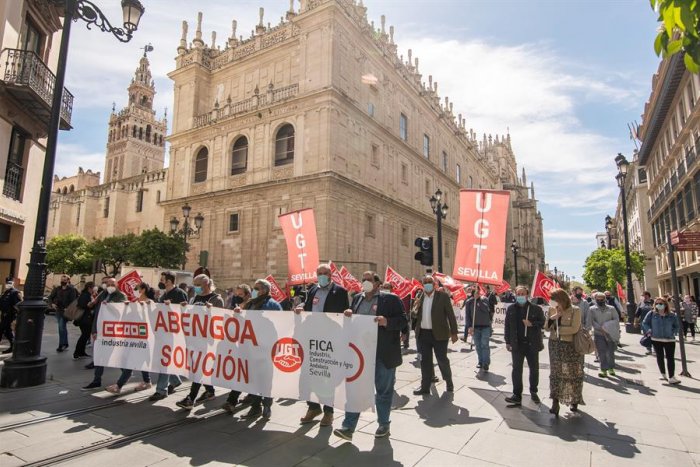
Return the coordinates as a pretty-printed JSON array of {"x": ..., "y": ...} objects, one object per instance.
[{"x": 425, "y": 250}]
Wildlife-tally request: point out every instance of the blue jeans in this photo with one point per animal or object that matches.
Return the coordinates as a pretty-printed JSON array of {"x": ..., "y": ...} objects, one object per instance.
[
  {"x": 606, "y": 351},
  {"x": 126, "y": 374},
  {"x": 62, "y": 330},
  {"x": 164, "y": 380},
  {"x": 99, "y": 371},
  {"x": 384, "y": 379},
  {"x": 481, "y": 341}
]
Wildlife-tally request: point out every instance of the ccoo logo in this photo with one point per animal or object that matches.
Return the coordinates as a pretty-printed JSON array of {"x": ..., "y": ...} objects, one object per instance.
[
  {"x": 287, "y": 354},
  {"x": 133, "y": 330}
]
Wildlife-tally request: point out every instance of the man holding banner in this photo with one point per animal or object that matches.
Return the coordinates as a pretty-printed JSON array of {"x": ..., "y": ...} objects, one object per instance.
[
  {"x": 325, "y": 297},
  {"x": 391, "y": 319}
]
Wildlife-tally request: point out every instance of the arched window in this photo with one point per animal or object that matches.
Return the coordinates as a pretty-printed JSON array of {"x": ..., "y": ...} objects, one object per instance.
[
  {"x": 148, "y": 133},
  {"x": 72, "y": 189},
  {"x": 200, "y": 165},
  {"x": 239, "y": 156},
  {"x": 140, "y": 132},
  {"x": 133, "y": 132},
  {"x": 284, "y": 145},
  {"x": 65, "y": 190}
]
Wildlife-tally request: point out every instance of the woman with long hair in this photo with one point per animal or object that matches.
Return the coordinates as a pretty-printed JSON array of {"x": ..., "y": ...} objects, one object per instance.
[
  {"x": 566, "y": 365},
  {"x": 663, "y": 324}
]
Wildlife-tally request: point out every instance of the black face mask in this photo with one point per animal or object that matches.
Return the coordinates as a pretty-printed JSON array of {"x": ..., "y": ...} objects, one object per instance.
[
  {"x": 63, "y": 284},
  {"x": 600, "y": 302},
  {"x": 161, "y": 286},
  {"x": 236, "y": 300},
  {"x": 579, "y": 296}
]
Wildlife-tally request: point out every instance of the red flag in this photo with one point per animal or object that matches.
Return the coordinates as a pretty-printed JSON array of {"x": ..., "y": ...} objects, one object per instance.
[
  {"x": 503, "y": 287},
  {"x": 455, "y": 287},
  {"x": 542, "y": 286},
  {"x": 417, "y": 285},
  {"x": 350, "y": 283},
  {"x": 128, "y": 285},
  {"x": 275, "y": 291},
  {"x": 621, "y": 293},
  {"x": 336, "y": 277},
  {"x": 399, "y": 285},
  {"x": 483, "y": 216},
  {"x": 299, "y": 229}
]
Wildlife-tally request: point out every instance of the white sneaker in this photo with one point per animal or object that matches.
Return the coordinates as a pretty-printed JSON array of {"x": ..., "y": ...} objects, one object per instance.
[
  {"x": 662, "y": 377},
  {"x": 674, "y": 380}
]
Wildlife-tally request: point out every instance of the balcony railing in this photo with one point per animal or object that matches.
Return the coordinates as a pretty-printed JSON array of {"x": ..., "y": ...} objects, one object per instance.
[
  {"x": 13, "y": 181},
  {"x": 29, "y": 80}
]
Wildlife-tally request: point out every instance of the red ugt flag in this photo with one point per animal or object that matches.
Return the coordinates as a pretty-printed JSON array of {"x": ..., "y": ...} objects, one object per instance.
[
  {"x": 336, "y": 276},
  {"x": 275, "y": 291},
  {"x": 128, "y": 285},
  {"x": 400, "y": 286},
  {"x": 542, "y": 286},
  {"x": 350, "y": 283},
  {"x": 621, "y": 293}
]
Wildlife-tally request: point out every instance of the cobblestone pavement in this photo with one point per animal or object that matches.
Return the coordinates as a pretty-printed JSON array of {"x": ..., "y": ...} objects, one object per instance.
[{"x": 633, "y": 418}]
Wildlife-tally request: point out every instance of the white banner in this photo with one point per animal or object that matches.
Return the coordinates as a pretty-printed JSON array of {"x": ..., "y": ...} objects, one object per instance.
[
  {"x": 320, "y": 357},
  {"x": 499, "y": 317}
]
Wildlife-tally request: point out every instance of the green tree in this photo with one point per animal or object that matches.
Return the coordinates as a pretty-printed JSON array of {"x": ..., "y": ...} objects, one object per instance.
[
  {"x": 679, "y": 30},
  {"x": 156, "y": 249},
  {"x": 604, "y": 268},
  {"x": 113, "y": 252},
  {"x": 68, "y": 254}
]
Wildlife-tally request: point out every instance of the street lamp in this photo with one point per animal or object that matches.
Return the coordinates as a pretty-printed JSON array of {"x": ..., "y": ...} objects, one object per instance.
[
  {"x": 440, "y": 210},
  {"x": 622, "y": 168},
  {"x": 27, "y": 367},
  {"x": 608, "y": 229},
  {"x": 515, "y": 248},
  {"x": 187, "y": 229}
]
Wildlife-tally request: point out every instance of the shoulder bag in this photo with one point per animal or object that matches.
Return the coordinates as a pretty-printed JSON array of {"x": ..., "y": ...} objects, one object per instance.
[
  {"x": 583, "y": 343},
  {"x": 72, "y": 311}
]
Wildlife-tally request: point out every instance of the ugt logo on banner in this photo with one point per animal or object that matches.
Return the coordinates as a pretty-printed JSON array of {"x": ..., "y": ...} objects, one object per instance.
[
  {"x": 483, "y": 215},
  {"x": 299, "y": 229}
]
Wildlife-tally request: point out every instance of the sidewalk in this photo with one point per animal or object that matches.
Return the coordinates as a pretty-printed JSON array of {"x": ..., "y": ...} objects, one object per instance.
[{"x": 632, "y": 419}]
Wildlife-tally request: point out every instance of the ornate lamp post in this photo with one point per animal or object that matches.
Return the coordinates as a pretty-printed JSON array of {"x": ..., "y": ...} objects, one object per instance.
[
  {"x": 515, "y": 248},
  {"x": 622, "y": 168},
  {"x": 608, "y": 229},
  {"x": 187, "y": 229},
  {"x": 27, "y": 367},
  {"x": 440, "y": 211}
]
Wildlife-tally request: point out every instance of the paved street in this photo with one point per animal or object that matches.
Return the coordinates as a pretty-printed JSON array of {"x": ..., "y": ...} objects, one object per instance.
[{"x": 630, "y": 419}]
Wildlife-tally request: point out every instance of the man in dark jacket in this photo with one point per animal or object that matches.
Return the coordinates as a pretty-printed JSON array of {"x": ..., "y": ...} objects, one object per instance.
[
  {"x": 60, "y": 298},
  {"x": 325, "y": 297},
  {"x": 391, "y": 319},
  {"x": 477, "y": 323},
  {"x": 8, "y": 309},
  {"x": 435, "y": 325},
  {"x": 523, "y": 336}
]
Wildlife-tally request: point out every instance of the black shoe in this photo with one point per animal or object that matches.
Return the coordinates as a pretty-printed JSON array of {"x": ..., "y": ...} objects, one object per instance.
[
  {"x": 206, "y": 396},
  {"x": 254, "y": 412},
  {"x": 93, "y": 385},
  {"x": 555, "y": 408},
  {"x": 485, "y": 368},
  {"x": 61, "y": 348},
  {"x": 421, "y": 392},
  {"x": 90, "y": 366},
  {"x": 157, "y": 396},
  {"x": 514, "y": 400},
  {"x": 185, "y": 403},
  {"x": 435, "y": 379},
  {"x": 535, "y": 398},
  {"x": 266, "y": 412},
  {"x": 171, "y": 387}
]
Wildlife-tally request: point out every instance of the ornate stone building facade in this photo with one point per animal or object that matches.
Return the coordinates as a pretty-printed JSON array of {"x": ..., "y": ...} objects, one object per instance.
[
  {"x": 30, "y": 34},
  {"x": 320, "y": 111}
]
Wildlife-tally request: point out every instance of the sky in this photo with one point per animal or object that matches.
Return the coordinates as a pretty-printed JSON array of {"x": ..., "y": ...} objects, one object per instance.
[{"x": 564, "y": 77}]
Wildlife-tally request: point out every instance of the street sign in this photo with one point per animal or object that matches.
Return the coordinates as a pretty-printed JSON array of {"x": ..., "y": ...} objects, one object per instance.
[{"x": 685, "y": 241}]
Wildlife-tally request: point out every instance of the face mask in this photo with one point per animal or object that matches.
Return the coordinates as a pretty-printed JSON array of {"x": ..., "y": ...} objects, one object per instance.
[
  {"x": 600, "y": 302},
  {"x": 324, "y": 280},
  {"x": 64, "y": 283},
  {"x": 428, "y": 287},
  {"x": 236, "y": 300},
  {"x": 103, "y": 286},
  {"x": 197, "y": 290},
  {"x": 111, "y": 289},
  {"x": 9, "y": 285},
  {"x": 367, "y": 286},
  {"x": 255, "y": 293},
  {"x": 660, "y": 306},
  {"x": 521, "y": 299},
  {"x": 579, "y": 296},
  {"x": 161, "y": 285}
]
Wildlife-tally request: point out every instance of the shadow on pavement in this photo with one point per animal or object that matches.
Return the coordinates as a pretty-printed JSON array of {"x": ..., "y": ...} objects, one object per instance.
[{"x": 440, "y": 411}]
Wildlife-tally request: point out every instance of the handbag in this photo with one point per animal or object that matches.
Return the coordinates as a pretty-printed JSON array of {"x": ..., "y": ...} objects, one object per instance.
[
  {"x": 72, "y": 311},
  {"x": 645, "y": 341},
  {"x": 583, "y": 343}
]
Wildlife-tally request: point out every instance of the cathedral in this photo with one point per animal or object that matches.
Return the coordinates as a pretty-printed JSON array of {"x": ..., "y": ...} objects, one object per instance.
[{"x": 317, "y": 111}]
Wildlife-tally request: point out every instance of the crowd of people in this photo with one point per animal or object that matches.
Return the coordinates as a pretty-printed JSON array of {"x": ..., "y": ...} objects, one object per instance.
[{"x": 574, "y": 323}]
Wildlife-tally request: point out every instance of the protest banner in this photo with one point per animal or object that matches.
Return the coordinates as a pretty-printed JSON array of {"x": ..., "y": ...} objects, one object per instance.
[
  {"x": 128, "y": 285},
  {"x": 320, "y": 357},
  {"x": 299, "y": 229},
  {"x": 480, "y": 255}
]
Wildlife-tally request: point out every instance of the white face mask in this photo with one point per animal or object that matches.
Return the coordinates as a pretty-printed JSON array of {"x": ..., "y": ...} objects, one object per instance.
[
  {"x": 367, "y": 286},
  {"x": 9, "y": 285},
  {"x": 103, "y": 286},
  {"x": 111, "y": 289}
]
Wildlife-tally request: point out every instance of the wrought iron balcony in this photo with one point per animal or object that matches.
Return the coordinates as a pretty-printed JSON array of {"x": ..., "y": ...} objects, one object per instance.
[{"x": 27, "y": 78}]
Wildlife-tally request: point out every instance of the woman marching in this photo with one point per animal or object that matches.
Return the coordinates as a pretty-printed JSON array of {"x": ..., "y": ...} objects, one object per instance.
[
  {"x": 566, "y": 374},
  {"x": 663, "y": 324},
  {"x": 606, "y": 333}
]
